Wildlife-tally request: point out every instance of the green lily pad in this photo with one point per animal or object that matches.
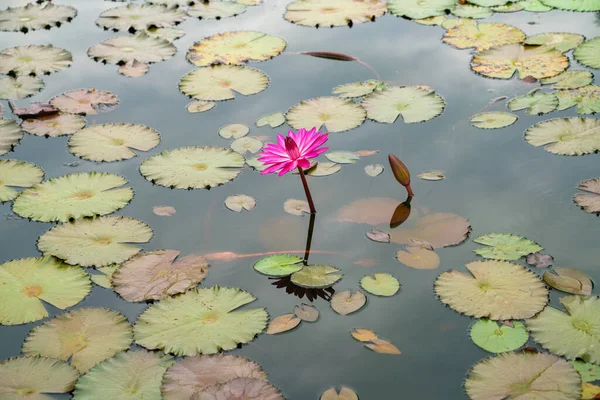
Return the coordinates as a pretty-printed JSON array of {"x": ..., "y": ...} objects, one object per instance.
[
  {"x": 324, "y": 169},
  {"x": 157, "y": 275},
  {"x": 498, "y": 290},
  {"x": 509, "y": 7},
  {"x": 536, "y": 104},
  {"x": 279, "y": 265},
  {"x": 342, "y": 157},
  {"x": 220, "y": 81},
  {"x": 587, "y": 52},
  {"x": 489, "y": 336},
  {"x": 255, "y": 164},
  {"x": 587, "y": 99},
  {"x": 84, "y": 337},
  {"x": 95, "y": 242},
  {"x": 273, "y": 120},
  {"x": 192, "y": 375},
  {"x": 127, "y": 49},
  {"x": 131, "y": 375},
  {"x": 574, "y": 5},
  {"x": 14, "y": 173},
  {"x": 562, "y": 42},
  {"x": 336, "y": 114},
  {"x": 73, "y": 196},
  {"x": 471, "y": 11},
  {"x": 27, "y": 283},
  {"x": 35, "y": 16},
  {"x": 316, "y": 276},
  {"x": 524, "y": 376},
  {"x": 10, "y": 135},
  {"x": 505, "y": 246},
  {"x": 31, "y": 377},
  {"x": 235, "y": 48},
  {"x": 139, "y": 17},
  {"x": 380, "y": 284},
  {"x": 493, "y": 120},
  {"x": 488, "y": 3},
  {"x": 193, "y": 167},
  {"x": 319, "y": 13},
  {"x": 482, "y": 36},
  {"x": 413, "y": 103},
  {"x": 433, "y": 21},
  {"x": 34, "y": 60},
  {"x": 54, "y": 125},
  {"x": 216, "y": 9},
  {"x": 20, "y": 87},
  {"x": 573, "y": 335},
  {"x": 201, "y": 321},
  {"x": 589, "y": 372},
  {"x": 566, "y": 136},
  {"x": 535, "y": 6},
  {"x": 570, "y": 79},
  {"x": 112, "y": 142},
  {"x": 418, "y": 9},
  {"x": 359, "y": 89},
  {"x": 535, "y": 61}
]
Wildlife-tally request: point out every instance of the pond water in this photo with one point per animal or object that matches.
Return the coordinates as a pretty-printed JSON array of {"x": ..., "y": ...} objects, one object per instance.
[{"x": 494, "y": 178}]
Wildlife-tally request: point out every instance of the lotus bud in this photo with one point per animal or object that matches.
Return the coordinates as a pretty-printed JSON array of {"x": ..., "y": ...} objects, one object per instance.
[{"x": 401, "y": 173}]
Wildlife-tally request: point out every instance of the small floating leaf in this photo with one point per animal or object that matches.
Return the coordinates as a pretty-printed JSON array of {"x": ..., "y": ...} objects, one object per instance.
[
  {"x": 493, "y": 120},
  {"x": 200, "y": 106},
  {"x": 415, "y": 104},
  {"x": 525, "y": 375},
  {"x": 164, "y": 211},
  {"x": 95, "y": 242},
  {"x": 324, "y": 169},
  {"x": 498, "y": 290},
  {"x": 239, "y": 202},
  {"x": 14, "y": 173},
  {"x": 283, "y": 323},
  {"x": 335, "y": 113},
  {"x": 85, "y": 101},
  {"x": 220, "y": 81},
  {"x": 539, "y": 260},
  {"x": 193, "y": 167},
  {"x": 74, "y": 196},
  {"x": 566, "y": 136},
  {"x": 157, "y": 275},
  {"x": 589, "y": 202},
  {"x": 418, "y": 257},
  {"x": 31, "y": 377},
  {"x": 333, "y": 13},
  {"x": 84, "y": 337},
  {"x": 569, "y": 280},
  {"x": 307, "y": 312},
  {"x": 344, "y": 394},
  {"x": 562, "y": 42},
  {"x": 273, "y": 120},
  {"x": 505, "y": 246},
  {"x": 342, "y": 157},
  {"x": 378, "y": 236},
  {"x": 112, "y": 142},
  {"x": 296, "y": 207},
  {"x": 138, "y": 373},
  {"x": 316, "y": 276},
  {"x": 27, "y": 284},
  {"x": 363, "y": 335},
  {"x": 234, "y": 131},
  {"x": 200, "y": 321},
  {"x": 235, "y": 48},
  {"x": 279, "y": 265},
  {"x": 374, "y": 170},
  {"x": 587, "y": 52},
  {"x": 432, "y": 175},
  {"x": 536, "y": 104},
  {"x": 498, "y": 339},
  {"x": 382, "y": 346},
  {"x": 380, "y": 284},
  {"x": 247, "y": 143},
  {"x": 346, "y": 302},
  {"x": 573, "y": 335},
  {"x": 535, "y": 61}
]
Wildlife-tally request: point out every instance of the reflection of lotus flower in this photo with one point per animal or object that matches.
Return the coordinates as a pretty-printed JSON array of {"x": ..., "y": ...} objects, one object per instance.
[{"x": 292, "y": 151}]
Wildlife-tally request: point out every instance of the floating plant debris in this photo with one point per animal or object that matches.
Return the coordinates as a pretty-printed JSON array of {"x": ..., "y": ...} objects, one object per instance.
[
  {"x": 164, "y": 211},
  {"x": 83, "y": 337},
  {"x": 432, "y": 175},
  {"x": 74, "y": 196},
  {"x": 201, "y": 321},
  {"x": 539, "y": 260}
]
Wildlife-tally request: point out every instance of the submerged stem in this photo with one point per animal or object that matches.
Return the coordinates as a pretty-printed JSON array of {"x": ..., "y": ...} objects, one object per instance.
[{"x": 307, "y": 191}]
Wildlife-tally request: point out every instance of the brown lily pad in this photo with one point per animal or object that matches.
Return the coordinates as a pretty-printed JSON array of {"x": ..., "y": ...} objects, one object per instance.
[
  {"x": 440, "y": 230},
  {"x": 569, "y": 280}
]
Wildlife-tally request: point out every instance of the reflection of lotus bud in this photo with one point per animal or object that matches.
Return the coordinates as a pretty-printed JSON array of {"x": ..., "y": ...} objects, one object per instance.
[
  {"x": 401, "y": 173},
  {"x": 401, "y": 213}
]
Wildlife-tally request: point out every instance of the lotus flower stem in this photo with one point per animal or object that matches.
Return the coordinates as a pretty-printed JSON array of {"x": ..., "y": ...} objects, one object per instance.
[
  {"x": 311, "y": 204},
  {"x": 311, "y": 227}
]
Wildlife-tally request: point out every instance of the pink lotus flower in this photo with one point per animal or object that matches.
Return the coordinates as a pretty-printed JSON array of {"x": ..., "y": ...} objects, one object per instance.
[{"x": 292, "y": 151}]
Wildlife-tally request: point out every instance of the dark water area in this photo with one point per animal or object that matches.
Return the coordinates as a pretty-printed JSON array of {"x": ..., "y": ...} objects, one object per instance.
[{"x": 494, "y": 178}]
